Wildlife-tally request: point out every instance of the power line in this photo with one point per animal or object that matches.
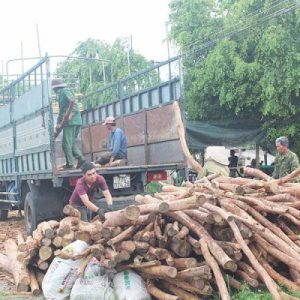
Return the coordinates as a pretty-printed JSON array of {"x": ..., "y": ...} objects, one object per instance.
[
  {"x": 266, "y": 18},
  {"x": 220, "y": 34}
]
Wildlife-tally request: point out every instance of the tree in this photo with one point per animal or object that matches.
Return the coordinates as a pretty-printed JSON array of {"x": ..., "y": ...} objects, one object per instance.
[
  {"x": 242, "y": 60},
  {"x": 107, "y": 64}
]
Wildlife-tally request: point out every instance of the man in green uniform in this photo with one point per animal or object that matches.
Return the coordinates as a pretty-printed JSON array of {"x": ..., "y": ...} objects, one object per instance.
[
  {"x": 216, "y": 161},
  {"x": 69, "y": 119},
  {"x": 286, "y": 161}
]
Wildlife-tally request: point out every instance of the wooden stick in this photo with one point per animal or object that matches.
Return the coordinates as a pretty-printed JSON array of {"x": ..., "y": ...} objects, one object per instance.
[
  {"x": 184, "y": 295},
  {"x": 34, "y": 286},
  {"x": 181, "y": 132},
  {"x": 216, "y": 270},
  {"x": 154, "y": 291}
]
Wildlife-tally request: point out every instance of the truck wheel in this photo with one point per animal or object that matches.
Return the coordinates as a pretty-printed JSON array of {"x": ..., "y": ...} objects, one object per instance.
[
  {"x": 30, "y": 214},
  {"x": 3, "y": 214}
]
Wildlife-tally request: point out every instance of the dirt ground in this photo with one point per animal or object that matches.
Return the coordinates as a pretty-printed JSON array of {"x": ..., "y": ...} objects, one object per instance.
[{"x": 8, "y": 230}]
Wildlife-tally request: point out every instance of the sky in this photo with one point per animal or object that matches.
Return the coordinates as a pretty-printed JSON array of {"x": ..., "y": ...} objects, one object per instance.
[{"x": 64, "y": 23}]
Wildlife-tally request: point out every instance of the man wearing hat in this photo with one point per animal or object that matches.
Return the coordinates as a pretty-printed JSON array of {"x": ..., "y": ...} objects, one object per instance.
[
  {"x": 117, "y": 145},
  {"x": 216, "y": 161},
  {"x": 69, "y": 119},
  {"x": 286, "y": 161}
]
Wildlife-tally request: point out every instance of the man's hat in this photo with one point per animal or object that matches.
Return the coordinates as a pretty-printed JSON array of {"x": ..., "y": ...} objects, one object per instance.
[
  {"x": 109, "y": 120},
  {"x": 58, "y": 83},
  {"x": 218, "y": 154}
]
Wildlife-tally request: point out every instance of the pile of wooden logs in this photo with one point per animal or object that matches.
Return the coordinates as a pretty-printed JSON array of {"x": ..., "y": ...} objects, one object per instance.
[{"x": 186, "y": 242}]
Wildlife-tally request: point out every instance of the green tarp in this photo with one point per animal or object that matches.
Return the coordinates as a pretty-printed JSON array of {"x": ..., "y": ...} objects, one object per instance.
[{"x": 200, "y": 134}]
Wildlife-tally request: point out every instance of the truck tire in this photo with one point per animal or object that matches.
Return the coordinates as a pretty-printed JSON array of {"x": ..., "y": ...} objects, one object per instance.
[
  {"x": 30, "y": 213},
  {"x": 3, "y": 214}
]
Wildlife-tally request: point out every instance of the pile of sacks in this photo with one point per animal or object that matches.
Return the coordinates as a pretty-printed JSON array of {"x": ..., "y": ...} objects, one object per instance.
[{"x": 97, "y": 283}]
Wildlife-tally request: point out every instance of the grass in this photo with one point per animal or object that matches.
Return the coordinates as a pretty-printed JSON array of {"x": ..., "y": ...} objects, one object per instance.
[{"x": 247, "y": 294}]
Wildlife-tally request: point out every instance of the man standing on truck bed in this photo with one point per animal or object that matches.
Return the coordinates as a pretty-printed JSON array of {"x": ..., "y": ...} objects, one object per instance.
[
  {"x": 117, "y": 145},
  {"x": 84, "y": 193},
  {"x": 69, "y": 120}
]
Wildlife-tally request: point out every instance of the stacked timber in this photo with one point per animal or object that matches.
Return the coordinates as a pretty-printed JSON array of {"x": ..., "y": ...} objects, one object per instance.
[{"x": 186, "y": 242}]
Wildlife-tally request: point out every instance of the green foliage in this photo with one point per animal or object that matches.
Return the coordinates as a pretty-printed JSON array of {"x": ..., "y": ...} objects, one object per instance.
[
  {"x": 251, "y": 74},
  {"x": 93, "y": 74},
  {"x": 152, "y": 188}
]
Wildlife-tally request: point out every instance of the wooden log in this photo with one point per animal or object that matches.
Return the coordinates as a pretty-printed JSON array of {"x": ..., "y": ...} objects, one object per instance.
[
  {"x": 289, "y": 177},
  {"x": 147, "y": 236},
  {"x": 282, "y": 256},
  {"x": 275, "y": 229},
  {"x": 34, "y": 286},
  {"x": 206, "y": 290},
  {"x": 57, "y": 242},
  {"x": 161, "y": 271},
  {"x": 295, "y": 275},
  {"x": 232, "y": 282},
  {"x": 200, "y": 216},
  {"x": 66, "y": 225},
  {"x": 128, "y": 246},
  {"x": 194, "y": 243},
  {"x": 141, "y": 247},
  {"x": 97, "y": 250},
  {"x": 198, "y": 283},
  {"x": 83, "y": 236},
  {"x": 257, "y": 227},
  {"x": 83, "y": 265},
  {"x": 71, "y": 211},
  {"x": 138, "y": 265},
  {"x": 39, "y": 277},
  {"x": 48, "y": 228},
  {"x": 17, "y": 269},
  {"x": 247, "y": 269},
  {"x": 45, "y": 252},
  {"x": 125, "y": 235},
  {"x": 159, "y": 253},
  {"x": 122, "y": 217},
  {"x": 159, "y": 294},
  {"x": 201, "y": 272},
  {"x": 181, "y": 132},
  {"x": 181, "y": 248},
  {"x": 145, "y": 219},
  {"x": 185, "y": 263},
  {"x": 184, "y": 295},
  {"x": 216, "y": 270},
  {"x": 198, "y": 229},
  {"x": 257, "y": 173},
  {"x": 158, "y": 207},
  {"x": 281, "y": 198},
  {"x": 188, "y": 203},
  {"x": 174, "y": 229},
  {"x": 68, "y": 238},
  {"x": 247, "y": 279},
  {"x": 277, "y": 276},
  {"x": 256, "y": 265},
  {"x": 138, "y": 236},
  {"x": 184, "y": 231},
  {"x": 170, "y": 260}
]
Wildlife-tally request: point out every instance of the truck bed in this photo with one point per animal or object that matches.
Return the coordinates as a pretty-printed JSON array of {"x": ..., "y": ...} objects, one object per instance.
[{"x": 120, "y": 170}]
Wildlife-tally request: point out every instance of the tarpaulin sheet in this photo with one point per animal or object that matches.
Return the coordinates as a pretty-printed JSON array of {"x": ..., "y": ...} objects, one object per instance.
[{"x": 200, "y": 134}]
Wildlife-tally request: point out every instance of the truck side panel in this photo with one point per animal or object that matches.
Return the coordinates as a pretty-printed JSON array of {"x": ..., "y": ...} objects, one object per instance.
[{"x": 142, "y": 105}]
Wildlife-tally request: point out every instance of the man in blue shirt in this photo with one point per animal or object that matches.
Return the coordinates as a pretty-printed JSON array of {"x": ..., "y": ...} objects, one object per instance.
[{"x": 117, "y": 145}]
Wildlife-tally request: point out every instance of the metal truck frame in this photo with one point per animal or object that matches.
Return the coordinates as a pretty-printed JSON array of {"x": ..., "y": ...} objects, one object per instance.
[{"x": 29, "y": 153}]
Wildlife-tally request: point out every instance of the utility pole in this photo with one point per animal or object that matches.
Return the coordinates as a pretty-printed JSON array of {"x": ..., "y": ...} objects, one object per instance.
[
  {"x": 129, "y": 48},
  {"x": 167, "y": 39},
  {"x": 22, "y": 57},
  {"x": 38, "y": 39}
]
